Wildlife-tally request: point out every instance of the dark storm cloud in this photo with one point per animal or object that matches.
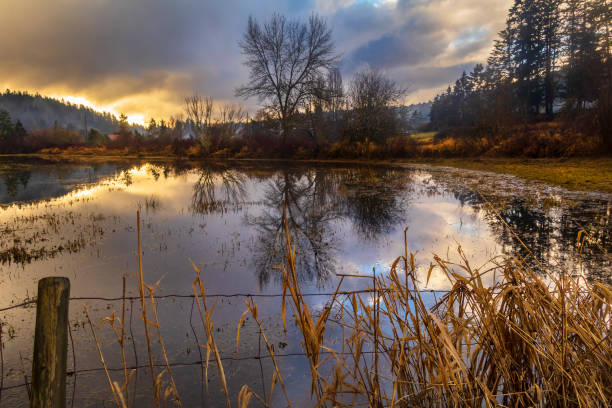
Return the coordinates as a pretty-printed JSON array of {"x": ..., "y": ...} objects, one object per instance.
[
  {"x": 150, "y": 53},
  {"x": 413, "y": 43},
  {"x": 80, "y": 41}
]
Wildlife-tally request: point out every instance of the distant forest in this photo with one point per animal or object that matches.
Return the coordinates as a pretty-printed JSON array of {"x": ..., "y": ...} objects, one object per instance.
[
  {"x": 41, "y": 112},
  {"x": 551, "y": 60}
]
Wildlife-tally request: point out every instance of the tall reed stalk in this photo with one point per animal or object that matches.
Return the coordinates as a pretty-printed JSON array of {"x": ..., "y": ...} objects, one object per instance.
[
  {"x": 527, "y": 340},
  {"x": 143, "y": 306}
]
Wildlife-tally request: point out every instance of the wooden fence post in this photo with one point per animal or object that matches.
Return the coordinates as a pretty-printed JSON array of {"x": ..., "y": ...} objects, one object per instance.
[{"x": 50, "y": 344}]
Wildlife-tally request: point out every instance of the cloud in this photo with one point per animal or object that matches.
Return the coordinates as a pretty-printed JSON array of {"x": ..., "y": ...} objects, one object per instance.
[
  {"x": 404, "y": 46},
  {"x": 426, "y": 44},
  {"x": 144, "y": 56}
]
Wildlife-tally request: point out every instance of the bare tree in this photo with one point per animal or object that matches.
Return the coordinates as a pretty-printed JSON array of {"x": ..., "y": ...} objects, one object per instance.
[
  {"x": 322, "y": 105},
  {"x": 284, "y": 58},
  {"x": 372, "y": 97},
  {"x": 336, "y": 89},
  {"x": 199, "y": 110},
  {"x": 176, "y": 124},
  {"x": 231, "y": 116}
]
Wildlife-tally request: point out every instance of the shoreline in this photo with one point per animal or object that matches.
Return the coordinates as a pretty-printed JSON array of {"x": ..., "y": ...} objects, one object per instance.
[{"x": 578, "y": 174}]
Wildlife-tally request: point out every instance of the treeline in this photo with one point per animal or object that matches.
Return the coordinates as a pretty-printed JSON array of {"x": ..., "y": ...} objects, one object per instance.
[
  {"x": 35, "y": 112},
  {"x": 15, "y": 139},
  {"x": 361, "y": 115},
  {"x": 368, "y": 109},
  {"x": 552, "y": 58}
]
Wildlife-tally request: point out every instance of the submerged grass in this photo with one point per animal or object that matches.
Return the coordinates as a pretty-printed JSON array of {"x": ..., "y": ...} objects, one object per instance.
[{"x": 528, "y": 339}]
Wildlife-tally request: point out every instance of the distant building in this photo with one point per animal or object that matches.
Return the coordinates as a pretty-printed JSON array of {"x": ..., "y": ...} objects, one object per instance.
[{"x": 113, "y": 137}]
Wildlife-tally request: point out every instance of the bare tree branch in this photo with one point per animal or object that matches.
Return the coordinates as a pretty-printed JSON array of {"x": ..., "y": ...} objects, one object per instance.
[{"x": 285, "y": 58}]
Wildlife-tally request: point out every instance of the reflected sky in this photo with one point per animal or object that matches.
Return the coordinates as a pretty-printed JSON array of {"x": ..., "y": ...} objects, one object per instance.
[{"x": 79, "y": 221}]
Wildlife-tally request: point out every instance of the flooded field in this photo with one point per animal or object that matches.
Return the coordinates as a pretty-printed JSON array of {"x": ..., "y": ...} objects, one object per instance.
[{"x": 79, "y": 220}]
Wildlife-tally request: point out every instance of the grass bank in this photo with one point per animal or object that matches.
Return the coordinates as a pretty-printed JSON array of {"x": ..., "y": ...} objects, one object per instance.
[{"x": 575, "y": 174}]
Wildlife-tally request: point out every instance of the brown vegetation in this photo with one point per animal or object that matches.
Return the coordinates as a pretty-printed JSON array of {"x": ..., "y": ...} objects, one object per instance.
[
  {"x": 521, "y": 338},
  {"x": 547, "y": 139},
  {"x": 527, "y": 340}
]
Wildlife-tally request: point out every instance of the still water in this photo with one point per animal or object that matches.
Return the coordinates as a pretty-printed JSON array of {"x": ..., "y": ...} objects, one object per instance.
[{"x": 79, "y": 220}]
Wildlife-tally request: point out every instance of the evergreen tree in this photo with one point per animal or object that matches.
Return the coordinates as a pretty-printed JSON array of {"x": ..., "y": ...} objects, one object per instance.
[
  {"x": 550, "y": 50},
  {"x": 550, "y": 19},
  {"x": 6, "y": 126},
  {"x": 152, "y": 128},
  {"x": 125, "y": 134},
  {"x": 526, "y": 53},
  {"x": 19, "y": 135},
  {"x": 500, "y": 61},
  {"x": 584, "y": 71}
]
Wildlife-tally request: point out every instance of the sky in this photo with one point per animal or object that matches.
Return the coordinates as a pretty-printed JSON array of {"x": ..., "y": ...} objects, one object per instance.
[{"x": 142, "y": 57}]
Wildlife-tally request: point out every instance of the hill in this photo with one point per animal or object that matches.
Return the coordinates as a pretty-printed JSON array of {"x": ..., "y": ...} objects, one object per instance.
[{"x": 39, "y": 112}]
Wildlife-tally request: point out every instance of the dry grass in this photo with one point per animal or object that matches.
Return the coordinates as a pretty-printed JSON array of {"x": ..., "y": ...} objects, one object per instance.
[
  {"x": 423, "y": 137},
  {"x": 208, "y": 324},
  {"x": 529, "y": 339}
]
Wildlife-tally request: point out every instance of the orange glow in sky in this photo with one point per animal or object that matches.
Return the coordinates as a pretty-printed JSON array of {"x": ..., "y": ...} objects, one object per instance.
[{"x": 133, "y": 118}]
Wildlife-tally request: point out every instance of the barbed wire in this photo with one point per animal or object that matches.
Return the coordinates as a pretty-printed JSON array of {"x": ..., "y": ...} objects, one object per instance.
[
  {"x": 217, "y": 295},
  {"x": 244, "y": 295},
  {"x": 224, "y": 295}
]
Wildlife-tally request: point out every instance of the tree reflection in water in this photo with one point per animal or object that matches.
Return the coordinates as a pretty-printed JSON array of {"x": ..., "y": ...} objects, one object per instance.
[
  {"x": 14, "y": 178},
  {"x": 309, "y": 199},
  {"x": 550, "y": 233},
  {"x": 217, "y": 189},
  {"x": 375, "y": 199},
  {"x": 371, "y": 198},
  {"x": 372, "y": 201}
]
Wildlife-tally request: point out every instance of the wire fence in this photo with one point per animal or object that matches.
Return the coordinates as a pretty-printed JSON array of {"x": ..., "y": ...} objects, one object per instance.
[
  {"x": 71, "y": 373},
  {"x": 75, "y": 372},
  {"x": 223, "y": 295},
  {"x": 243, "y": 295}
]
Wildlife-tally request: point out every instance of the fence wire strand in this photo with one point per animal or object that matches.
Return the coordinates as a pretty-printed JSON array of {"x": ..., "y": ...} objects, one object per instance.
[{"x": 218, "y": 295}]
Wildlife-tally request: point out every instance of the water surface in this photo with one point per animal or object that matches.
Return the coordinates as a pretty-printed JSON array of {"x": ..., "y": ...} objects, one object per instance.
[{"x": 79, "y": 220}]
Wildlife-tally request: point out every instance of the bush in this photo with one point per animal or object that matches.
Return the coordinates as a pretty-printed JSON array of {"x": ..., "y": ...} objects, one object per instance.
[
  {"x": 547, "y": 139},
  {"x": 55, "y": 137}
]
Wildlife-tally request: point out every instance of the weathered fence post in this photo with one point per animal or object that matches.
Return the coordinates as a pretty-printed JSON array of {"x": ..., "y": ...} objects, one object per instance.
[{"x": 50, "y": 344}]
